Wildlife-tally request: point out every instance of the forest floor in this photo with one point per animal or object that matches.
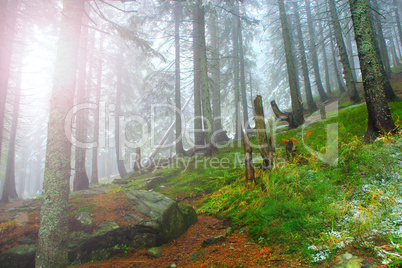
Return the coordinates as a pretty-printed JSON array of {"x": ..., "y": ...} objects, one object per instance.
[{"x": 208, "y": 190}]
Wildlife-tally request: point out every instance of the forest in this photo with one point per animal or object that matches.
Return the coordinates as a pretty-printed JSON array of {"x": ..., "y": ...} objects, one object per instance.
[{"x": 200, "y": 133}]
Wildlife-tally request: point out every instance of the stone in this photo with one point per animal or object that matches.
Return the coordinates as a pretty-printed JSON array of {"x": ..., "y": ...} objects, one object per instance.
[
  {"x": 347, "y": 260},
  {"x": 155, "y": 252},
  {"x": 229, "y": 231},
  {"x": 194, "y": 256},
  {"x": 212, "y": 240},
  {"x": 158, "y": 220},
  {"x": 19, "y": 257},
  {"x": 84, "y": 218}
]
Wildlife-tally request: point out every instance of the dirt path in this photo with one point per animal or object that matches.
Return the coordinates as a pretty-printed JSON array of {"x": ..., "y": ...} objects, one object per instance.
[{"x": 237, "y": 250}]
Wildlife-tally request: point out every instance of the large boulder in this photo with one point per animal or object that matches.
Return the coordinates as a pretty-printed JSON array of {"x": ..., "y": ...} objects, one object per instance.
[{"x": 157, "y": 220}]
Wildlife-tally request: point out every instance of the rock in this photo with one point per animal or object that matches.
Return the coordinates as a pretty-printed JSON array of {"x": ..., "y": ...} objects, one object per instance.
[
  {"x": 229, "y": 231},
  {"x": 194, "y": 256},
  {"x": 347, "y": 260},
  {"x": 155, "y": 252},
  {"x": 158, "y": 220},
  {"x": 173, "y": 265},
  {"x": 84, "y": 218},
  {"x": 212, "y": 240},
  {"x": 19, "y": 257}
]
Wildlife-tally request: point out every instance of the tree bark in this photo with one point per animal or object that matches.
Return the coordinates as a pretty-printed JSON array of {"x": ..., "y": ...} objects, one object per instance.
[
  {"x": 296, "y": 104},
  {"x": 338, "y": 76},
  {"x": 53, "y": 232},
  {"x": 216, "y": 80},
  {"x": 9, "y": 188},
  {"x": 302, "y": 51},
  {"x": 236, "y": 78},
  {"x": 198, "y": 130},
  {"x": 325, "y": 59},
  {"x": 374, "y": 80},
  {"x": 8, "y": 19},
  {"x": 266, "y": 147},
  {"x": 347, "y": 71},
  {"x": 179, "y": 138},
  {"x": 248, "y": 159},
  {"x": 81, "y": 180},
  {"x": 288, "y": 117},
  {"x": 97, "y": 91},
  {"x": 118, "y": 112},
  {"x": 398, "y": 21},
  {"x": 313, "y": 51}
]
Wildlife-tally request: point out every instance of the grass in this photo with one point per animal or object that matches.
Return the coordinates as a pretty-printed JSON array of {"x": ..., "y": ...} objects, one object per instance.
[{"x": 308, "y": 205}]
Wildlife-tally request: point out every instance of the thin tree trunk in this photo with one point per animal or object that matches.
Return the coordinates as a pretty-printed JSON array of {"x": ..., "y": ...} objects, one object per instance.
[
  {"x": 313, "y": 51},
  {"x": 398, "y": 21},
  {"x": 324, "y": 55},
  {"x": 81, "y": 180},
  {"x": 179, "y": 138},
  {"x": 374, "y": 78},
  {"x": 7, "y": 32},
  {"x": 97, "y": 91},
  {"x": 347, "y": 71},
  {"x": 216, "y": 80},
  {"x": 242, "y": 71},
  {"x": 338, "y": 77},
  {"x": 198, "y": 130},
  {"x": 118, "y": 112},
  {"x": 296, "y": 105},
  {"x": 381, "y": 38},
  {"x": 267, "y": 150},
  {"x": 9, "y": 189},
  {"x": 349, "y": 49},
  {"x": 236, "y": 71},
  {"x": 248, "y": 159},
  {"x": 53, "y": 232},
  {"x": 302, "y": 51}
]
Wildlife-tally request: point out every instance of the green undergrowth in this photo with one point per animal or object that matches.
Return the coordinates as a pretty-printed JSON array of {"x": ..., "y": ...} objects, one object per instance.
[{"x": 316, "y": 201}]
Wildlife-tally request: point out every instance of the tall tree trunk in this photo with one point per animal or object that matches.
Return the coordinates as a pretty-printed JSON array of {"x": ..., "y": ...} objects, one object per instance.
[
  {"x": 9, "y": 189},
  {"x": 324, "y": 55},
  {"x": 347, "y": 71},
  {"x": 398, "y": 21},
  {"x": 53, "y": 232},
  {"x": 242, "y": 71},
  {"x": 267, "y": 150},
  {"x": 198, "y": 130},
  {"x": 8, "y": 19},
  {"x": 374, "y": 78},
  {"x": 381, "y": 38},
  {"x": 179, "y": 138},
  {"x": 97, "y": 91},
  {"x": 302, "y": 51},
  {"x": 296, "y": 105},
  {"x": 236, "y": 78},
  {"x": 313, "y": 51},
  {"x": 338, "y": 76},
  {"x": 349, "y": 49},
  {"x": 117, "y": 115},
  {"x": 216, "y": 80},
  {"x": 81, "y": 180}
]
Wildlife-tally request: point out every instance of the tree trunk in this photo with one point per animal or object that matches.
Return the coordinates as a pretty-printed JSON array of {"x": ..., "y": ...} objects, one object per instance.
[
  {"x": 398, "y": 21},
  {"x": 288, "y": 117},
  {"x": 347, "y": 71},
  {"x": 349, "y": 49},
  {"x": 216, "y": 81},
  {"x": 179, "y": 138},
  {"x": 374, "y": 80},
  {"x": 248, "y": 159},
  {"x": 313, "y": 51},
  {"x": 242, "y": 71},
  {"x": 7, "y": 32},
  {"x": 302, "y": 51},
  {"x": 137, "y": 165},
  {"x": 198, "y": 130},
  {"x": 236, "y": 78},
  {"x": 97, "y": 91},
  {"x": 9, "y": 188},
  {"x": 81, "y": 180},
  {"x": 118, "y": 132},
  {"x": 324, "y": 55},
  {"x": 267, "y": 150},
  {"x": 338, "y": 76},
  {"x": 296, "y": 105},
  {"x": 53, "y": 232},
  {"x": 381, "y": 38}
]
